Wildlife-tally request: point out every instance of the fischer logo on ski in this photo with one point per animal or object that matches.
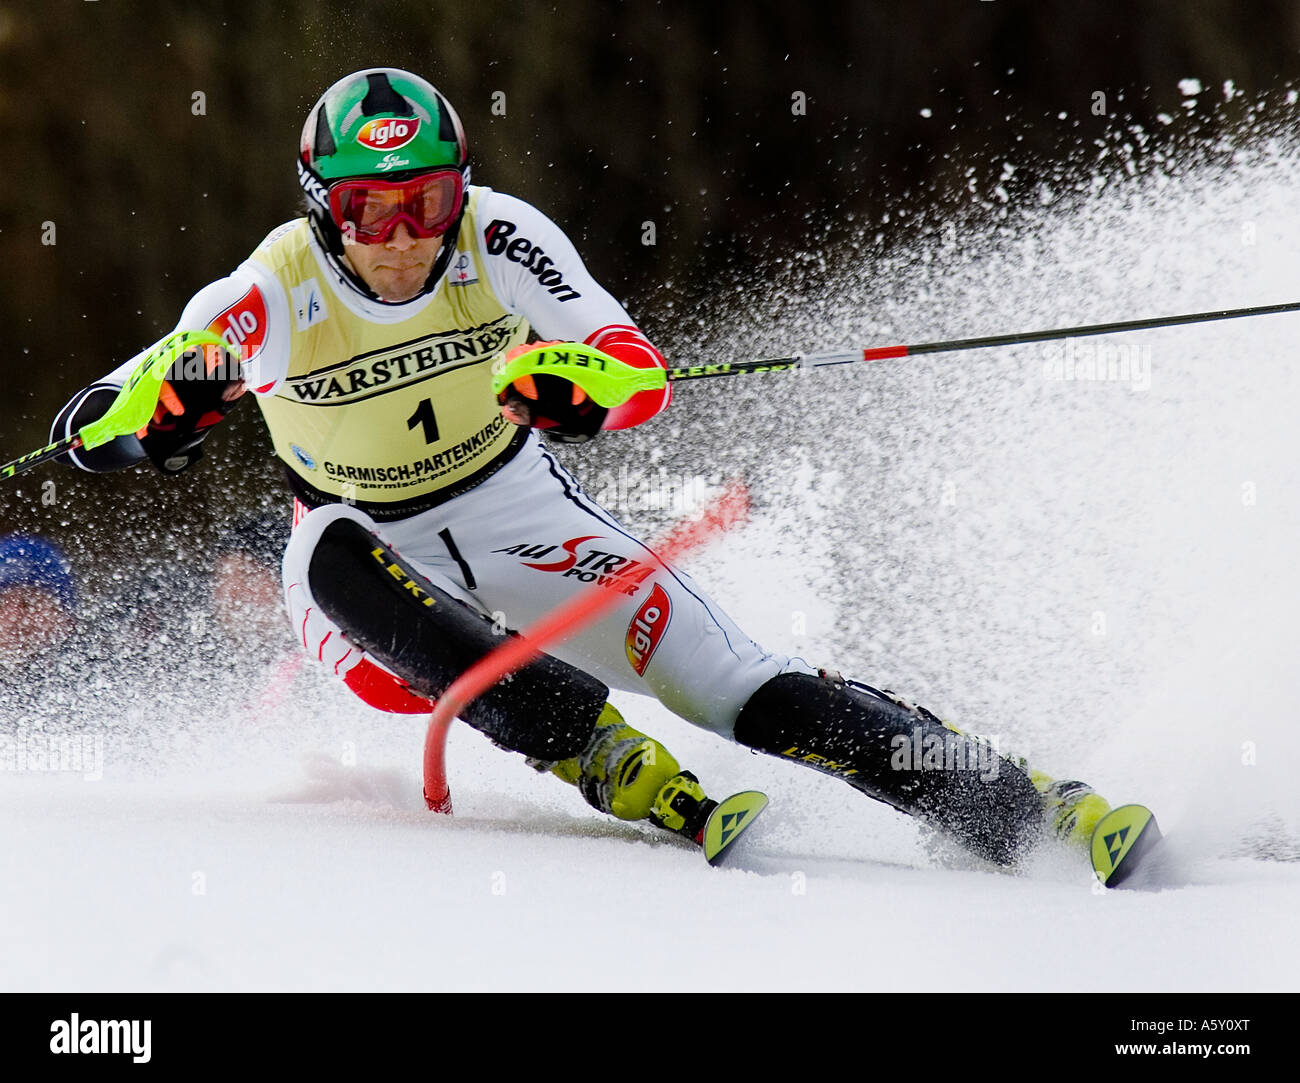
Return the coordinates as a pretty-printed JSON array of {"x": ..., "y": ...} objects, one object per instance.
[
  {"x": 1121, "y": 842},
  {"x": 1115, "y": 843},
  {"x": 733, "y": 816}
]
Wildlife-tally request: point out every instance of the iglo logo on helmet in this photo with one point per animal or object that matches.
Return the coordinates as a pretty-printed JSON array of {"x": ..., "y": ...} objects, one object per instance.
[{"x": 386, "y": 124}]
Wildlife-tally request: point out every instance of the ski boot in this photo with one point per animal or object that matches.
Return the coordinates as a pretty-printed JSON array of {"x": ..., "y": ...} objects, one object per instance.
[
  {"x": 1117, "y": 841},
  {"x": 621, "y": 771},
  {"x": 1071, "y": 810},
  {"x": 681, "y": 805},
  {"x": 630, "y": 776}
]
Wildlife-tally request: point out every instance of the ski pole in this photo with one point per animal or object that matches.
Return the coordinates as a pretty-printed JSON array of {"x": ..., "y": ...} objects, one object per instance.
[
  {"x": 133, "y": 408},
  {"x": 884, "y": 353}
]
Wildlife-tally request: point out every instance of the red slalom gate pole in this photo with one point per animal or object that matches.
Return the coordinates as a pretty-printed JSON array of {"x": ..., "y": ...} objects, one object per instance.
[
  {"x": 437, "y": 793},
  {"x": 731, "y": 508}
]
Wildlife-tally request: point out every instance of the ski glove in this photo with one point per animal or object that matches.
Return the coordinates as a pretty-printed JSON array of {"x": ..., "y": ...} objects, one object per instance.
[
  {"x": 190, "y": 404},
  {"x": 561, "y": 409}
]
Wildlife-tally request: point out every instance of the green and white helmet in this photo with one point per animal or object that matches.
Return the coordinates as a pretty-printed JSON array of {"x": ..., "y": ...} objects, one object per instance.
[{"x": 380, "y": 123}]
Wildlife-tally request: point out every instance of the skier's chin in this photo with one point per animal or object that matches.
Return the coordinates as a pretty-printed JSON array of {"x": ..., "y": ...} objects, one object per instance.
[
  {"x": 397, "y": 285},
  {"x": 395, "y": 273}
]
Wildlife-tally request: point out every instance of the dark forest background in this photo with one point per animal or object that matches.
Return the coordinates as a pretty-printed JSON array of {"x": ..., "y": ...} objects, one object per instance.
[{"x": 743, "y": 132}]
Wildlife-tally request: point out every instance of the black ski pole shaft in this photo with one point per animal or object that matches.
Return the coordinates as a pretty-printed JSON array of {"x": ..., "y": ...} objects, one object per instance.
[
  {"x": 45, "y": 454},
  {"x": 884, "y": 353}
]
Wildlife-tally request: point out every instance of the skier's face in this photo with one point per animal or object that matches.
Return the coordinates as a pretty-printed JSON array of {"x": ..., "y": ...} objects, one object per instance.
[{"x": 397, "y": 269}]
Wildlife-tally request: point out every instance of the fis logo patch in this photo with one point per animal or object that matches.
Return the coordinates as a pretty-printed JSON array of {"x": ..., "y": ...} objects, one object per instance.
[
  {"x": 647, "y": 629},
  {"x": 308, "y": 304}
]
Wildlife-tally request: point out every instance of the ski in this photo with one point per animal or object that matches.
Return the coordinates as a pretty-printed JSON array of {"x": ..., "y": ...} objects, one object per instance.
[
  {"x": 728, "y": 822},
  {"x": 1121, "y": 842}
]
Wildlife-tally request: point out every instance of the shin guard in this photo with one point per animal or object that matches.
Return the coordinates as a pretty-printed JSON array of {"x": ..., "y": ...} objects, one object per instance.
[
  {"x": 904, "y": 757},
  {"x": 547, "y": 710}
]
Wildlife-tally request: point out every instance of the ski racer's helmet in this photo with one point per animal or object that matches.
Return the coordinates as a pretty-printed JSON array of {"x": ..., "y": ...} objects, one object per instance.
[{"x": 380, "y": 147}]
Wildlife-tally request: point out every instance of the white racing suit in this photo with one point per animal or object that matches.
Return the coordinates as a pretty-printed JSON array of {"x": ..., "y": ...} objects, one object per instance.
[{"x": 518, "y": 546}]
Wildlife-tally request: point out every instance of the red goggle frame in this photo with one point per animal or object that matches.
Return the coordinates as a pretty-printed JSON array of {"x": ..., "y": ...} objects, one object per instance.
[{"x": 368, "y": 211}]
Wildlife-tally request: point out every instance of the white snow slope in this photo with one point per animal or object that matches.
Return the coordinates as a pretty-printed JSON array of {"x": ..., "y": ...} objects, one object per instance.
[{"x": 1099, "y": 571}]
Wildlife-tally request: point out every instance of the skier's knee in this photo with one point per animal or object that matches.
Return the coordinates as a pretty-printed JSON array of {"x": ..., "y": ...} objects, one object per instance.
[
  {"x": 386, "y": 609},
  {"x": 823, "y": 723}
]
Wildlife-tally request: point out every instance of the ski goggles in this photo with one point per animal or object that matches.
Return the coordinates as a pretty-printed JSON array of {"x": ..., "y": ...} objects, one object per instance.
[{"x": 368, "y": 211}]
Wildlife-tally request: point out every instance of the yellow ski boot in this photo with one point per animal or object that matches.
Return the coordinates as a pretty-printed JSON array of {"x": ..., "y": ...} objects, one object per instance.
[
  {"x": 633, "y": 777},
  {"x": 1071, "y": 809}
]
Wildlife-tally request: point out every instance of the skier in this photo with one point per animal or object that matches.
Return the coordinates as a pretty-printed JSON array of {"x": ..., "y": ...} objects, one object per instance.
[{"x": 429, "y": 515}]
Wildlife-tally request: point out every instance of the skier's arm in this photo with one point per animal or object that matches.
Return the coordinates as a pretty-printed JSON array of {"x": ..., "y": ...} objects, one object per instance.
[
  {"x": 90, "y": 404},
  {"x": 536, "y": 271},
  {"x": 199, "y": 391}
]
